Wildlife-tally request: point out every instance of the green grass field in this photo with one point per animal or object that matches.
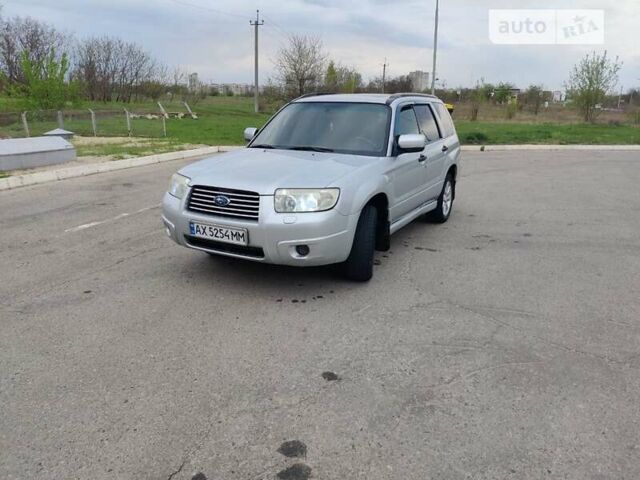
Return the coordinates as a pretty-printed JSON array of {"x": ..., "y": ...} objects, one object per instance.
[
  {"x": 492, "y": 133},
  {"x": 222, "y": 120}
]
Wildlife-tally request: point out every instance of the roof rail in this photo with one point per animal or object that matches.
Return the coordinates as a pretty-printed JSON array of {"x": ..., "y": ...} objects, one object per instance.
[
  {"x": 317, "y": 94},
  {"x": 396, "y": 96}
]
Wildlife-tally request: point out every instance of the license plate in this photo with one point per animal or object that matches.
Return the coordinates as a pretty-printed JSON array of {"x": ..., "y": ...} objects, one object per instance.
[{"x": 237, "y": 236}]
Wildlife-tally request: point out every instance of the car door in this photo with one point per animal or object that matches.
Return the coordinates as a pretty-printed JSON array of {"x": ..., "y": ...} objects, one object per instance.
[
  {"x": 434, "y": 151},
  {"x": 407, "y": 171}
]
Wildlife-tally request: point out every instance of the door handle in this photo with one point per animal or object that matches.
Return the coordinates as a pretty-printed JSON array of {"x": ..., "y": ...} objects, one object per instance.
[
  {"x": 445, "y": 148},
  {"x": 422, "y": 158}
]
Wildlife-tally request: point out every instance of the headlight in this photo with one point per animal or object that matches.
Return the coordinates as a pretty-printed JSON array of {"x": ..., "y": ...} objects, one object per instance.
[
  {"x": 179, "y": 185},
  {"x": 298, "y": 200}
]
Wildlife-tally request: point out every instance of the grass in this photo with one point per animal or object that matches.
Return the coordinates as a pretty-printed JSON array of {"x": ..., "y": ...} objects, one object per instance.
[
  {"x": 3, "y": 175},
  {"x": 137, "y": 147},
  {"x": 222, "y": 120},
  {"x": 494, "y": 133}
]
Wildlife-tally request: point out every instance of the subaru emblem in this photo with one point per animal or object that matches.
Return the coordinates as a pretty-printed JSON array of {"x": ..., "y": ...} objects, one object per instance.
[{"x": 221, "y": 201}]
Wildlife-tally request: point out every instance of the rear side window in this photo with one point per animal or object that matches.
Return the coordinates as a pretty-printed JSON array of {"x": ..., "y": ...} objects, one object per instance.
[
  {"x": 406, "y": 122},
  {"x": 427, "y": 122},
  {"x": 445, "y": 120}
]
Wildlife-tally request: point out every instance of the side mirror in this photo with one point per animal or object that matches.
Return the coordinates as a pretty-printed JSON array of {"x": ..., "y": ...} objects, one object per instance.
[
  {"x": 249, "y": 133},
  {"x": 414, "y": 142}
]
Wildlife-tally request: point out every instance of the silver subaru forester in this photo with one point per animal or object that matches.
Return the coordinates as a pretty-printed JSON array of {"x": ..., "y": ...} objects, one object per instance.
[{"x": 326, "y": 181}]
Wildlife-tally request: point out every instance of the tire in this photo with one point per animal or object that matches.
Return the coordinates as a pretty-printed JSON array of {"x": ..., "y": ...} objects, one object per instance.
[
  {"x": 359, "y": 265},
  {"x": 445, "y": 201}
]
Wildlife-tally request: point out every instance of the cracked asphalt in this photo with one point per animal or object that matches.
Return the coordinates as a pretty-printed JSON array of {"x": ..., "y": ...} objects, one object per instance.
[{"x": 504, "y": 344}]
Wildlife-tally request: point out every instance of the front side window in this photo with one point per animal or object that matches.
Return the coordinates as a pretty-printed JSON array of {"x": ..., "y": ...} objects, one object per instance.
[
  {"x": 406, "y": 122},
  {"x": 340, "y": 127}
]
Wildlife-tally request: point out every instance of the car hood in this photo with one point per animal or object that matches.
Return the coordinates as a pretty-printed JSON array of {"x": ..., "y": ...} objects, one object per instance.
[{"x": 264, "y": 171}]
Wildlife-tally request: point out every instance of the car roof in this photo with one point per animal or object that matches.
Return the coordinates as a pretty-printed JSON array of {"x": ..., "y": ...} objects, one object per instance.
[{"x": 381, "y": 98}]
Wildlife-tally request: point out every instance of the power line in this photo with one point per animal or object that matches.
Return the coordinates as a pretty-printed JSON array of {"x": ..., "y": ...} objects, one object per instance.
[
  {"x": 209, "y": 9},
  {"x": 277, "y": 26},
  {"x": 277, "y": 34}
]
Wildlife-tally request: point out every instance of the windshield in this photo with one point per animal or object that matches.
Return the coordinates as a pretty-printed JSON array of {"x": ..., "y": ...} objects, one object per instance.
[{"x": 355, "y": 128}]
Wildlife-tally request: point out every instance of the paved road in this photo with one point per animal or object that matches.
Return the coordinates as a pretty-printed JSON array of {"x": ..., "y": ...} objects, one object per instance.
[{"x": 504, "y": 344}]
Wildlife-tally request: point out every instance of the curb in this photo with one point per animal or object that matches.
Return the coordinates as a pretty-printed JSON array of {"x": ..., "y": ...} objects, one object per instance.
[
  {"x": 505, "y": 148},
  {"x": 46, "y": 176}
]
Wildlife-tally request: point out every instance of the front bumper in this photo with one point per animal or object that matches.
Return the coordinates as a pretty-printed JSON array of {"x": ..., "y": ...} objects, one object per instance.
[{"x": 329, "y": 235}]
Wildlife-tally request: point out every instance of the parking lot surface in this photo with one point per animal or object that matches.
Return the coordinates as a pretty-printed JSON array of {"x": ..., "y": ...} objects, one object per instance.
[{"x": 503, "y": 344}]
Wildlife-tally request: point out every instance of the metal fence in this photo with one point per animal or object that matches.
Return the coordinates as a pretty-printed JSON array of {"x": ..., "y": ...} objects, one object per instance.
[{"x": 90, "y": 122}]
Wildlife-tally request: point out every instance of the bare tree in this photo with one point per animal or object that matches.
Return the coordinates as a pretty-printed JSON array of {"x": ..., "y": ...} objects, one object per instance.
[
  {"x": 112, "y": 69},
  {"x": 36, "y": 39},
  {"x": 179, "y": 76},
  {"x": 300, "y": 64},
  {"x": 592, "y": 78}
]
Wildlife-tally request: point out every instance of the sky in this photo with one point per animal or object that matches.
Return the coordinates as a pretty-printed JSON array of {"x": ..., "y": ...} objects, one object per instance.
[{"x": 214, "y": 38}]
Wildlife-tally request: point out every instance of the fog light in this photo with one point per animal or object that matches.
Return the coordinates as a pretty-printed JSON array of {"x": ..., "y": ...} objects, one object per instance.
[
  {"x": 167, "y": 231},
  {"x": 302, "y": 250}
]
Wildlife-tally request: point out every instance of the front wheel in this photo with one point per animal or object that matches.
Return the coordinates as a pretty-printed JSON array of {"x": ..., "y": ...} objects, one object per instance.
[
  {"x": 445, "y": 202},
  {"x": 359, "y": 265}
]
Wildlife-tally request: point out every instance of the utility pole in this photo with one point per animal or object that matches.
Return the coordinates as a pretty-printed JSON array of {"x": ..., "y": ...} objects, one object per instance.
[
  {"x": 256, "y": 92},
  {"x": 384, "y": 73},
  {"x": 435, "y": 50},
  {"x": 620, "y": 97}
]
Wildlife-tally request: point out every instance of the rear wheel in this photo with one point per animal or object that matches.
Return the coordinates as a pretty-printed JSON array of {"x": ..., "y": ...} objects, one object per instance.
[
  {"x": 445, "y": 202},
  {"x": 359, "y": 265}
]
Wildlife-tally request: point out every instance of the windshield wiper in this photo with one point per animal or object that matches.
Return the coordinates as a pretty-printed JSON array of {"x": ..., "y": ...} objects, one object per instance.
[
  {"x": 263, "y": 145},
  {"x": 310, "y": 148}
]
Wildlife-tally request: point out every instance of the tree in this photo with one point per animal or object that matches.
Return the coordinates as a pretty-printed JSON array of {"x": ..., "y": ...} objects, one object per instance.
[
  {"x": 481, "y": 94},
  {"x": 331, "y": 77},
  {"x": 300, "y": 64},
  {"x": 45, "y": 85},
  {"x": 112, "y": 69},
  {"x": 592, "y": 78},
  {"x": 19, "y": 36},
  {"x": 502, "y": 93},
  {"x": 399, "y": 84},
  {"x": 339, "y": 78},
  {"x": 535, "y": 96}
]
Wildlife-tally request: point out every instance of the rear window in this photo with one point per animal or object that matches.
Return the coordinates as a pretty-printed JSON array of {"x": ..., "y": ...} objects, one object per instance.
[
  {"x": 427, "y": 122},
  {"x": 445, "y": 120}
]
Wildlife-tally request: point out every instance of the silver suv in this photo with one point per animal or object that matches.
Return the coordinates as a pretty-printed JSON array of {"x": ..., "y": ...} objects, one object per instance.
[{"x": 326, "y": 181}]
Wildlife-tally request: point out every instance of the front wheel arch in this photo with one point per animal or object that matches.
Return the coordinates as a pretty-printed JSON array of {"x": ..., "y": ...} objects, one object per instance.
[{"x": 383, "y": 226}]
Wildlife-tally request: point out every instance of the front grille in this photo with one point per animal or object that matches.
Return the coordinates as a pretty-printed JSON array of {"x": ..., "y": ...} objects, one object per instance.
[
  {"x": 253, "y": 252},
  {"x": 243, "y": 205}
]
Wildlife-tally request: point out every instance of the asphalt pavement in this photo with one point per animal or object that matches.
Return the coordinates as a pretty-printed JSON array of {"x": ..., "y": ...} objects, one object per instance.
[{"x": 504, "y": 344}]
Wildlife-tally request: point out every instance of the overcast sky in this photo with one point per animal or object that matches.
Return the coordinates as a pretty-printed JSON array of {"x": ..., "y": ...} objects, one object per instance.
[{"x": 213, "y": 37}]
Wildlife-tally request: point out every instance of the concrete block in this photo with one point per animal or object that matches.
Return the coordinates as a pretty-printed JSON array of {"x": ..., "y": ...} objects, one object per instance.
[{"x": 23, "y": 153}]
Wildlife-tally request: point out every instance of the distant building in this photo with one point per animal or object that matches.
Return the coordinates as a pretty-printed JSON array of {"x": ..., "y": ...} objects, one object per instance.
[
  {"x": 558, "y": 96},
  {"x": 233, "y": 88},
  {"x": 194, "y": 83},
  {"x": 419, "y": 80}
]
